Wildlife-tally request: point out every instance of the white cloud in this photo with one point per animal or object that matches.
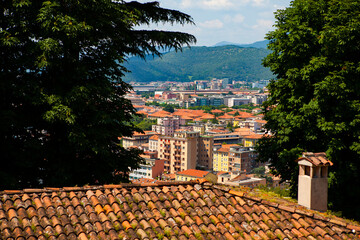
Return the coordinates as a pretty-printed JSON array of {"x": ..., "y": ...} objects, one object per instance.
[
  {"x": 238, "y": 18},
  {"x": 260, "y": 3},
  {"x": 263, "y": 24},
  {"x": 212, "y": 24},
  {"x": 217, "y": 4}
]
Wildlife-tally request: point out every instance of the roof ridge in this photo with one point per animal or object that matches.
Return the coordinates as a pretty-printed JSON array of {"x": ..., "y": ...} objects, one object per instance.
[{"x": 96, "y": 187}]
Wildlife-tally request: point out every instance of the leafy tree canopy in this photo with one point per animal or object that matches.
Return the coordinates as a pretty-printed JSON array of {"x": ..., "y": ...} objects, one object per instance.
[
  {"x": 62, "y": 97},
  {"x": 314, "y": 104}
]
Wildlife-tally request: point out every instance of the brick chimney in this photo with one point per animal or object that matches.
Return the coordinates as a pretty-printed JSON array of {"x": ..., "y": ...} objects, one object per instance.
[{"x": 313, "y": 180}]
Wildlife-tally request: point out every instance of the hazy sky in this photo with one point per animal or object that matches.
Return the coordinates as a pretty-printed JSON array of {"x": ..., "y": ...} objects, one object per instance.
[{"x": 237, "y": 21}]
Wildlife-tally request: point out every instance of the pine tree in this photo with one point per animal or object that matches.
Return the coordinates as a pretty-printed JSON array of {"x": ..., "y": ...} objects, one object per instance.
[{"x": 62, "y": 96}]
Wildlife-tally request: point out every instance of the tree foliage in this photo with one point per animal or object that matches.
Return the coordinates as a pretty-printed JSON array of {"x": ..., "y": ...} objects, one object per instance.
[
  {"x": 62, "y": 96},
  {"x": 314, "y": 104},
  {"x": 233, "y": 62}
]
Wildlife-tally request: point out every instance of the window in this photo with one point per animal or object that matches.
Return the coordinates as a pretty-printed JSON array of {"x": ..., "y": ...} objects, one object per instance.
[{"x": 307, "y": 170}]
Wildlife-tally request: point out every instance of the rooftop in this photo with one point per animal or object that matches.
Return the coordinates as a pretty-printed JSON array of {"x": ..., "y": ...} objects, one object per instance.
[
  {"x": 182, "y": 210},
  {"x": 193, "y": 173}
]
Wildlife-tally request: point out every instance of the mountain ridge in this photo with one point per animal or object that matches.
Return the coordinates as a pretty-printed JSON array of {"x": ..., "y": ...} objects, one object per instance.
[{"x": 201, "y": 63}]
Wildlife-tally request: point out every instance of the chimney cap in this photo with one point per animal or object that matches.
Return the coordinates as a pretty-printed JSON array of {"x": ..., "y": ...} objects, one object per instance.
[{"x": 317, "y": 159}]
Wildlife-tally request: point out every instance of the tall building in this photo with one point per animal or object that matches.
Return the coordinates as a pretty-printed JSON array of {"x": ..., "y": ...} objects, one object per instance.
[
  {"x": 185, "y": 151},
  {"x": 168, "y": 125},
  {"x": 233, "y": 158}
]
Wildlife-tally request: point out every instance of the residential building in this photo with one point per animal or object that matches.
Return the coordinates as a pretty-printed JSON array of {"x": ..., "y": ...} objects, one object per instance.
[
  {"x": 167, "y": 125},
  {"x": 221, "y": 159},
  {"x": 153, "y": 143},
  {"x": 241, "y": 159},
  {"x": 205, "y": 152},
  {"x": 137, "y": 139},
  {"x": 193, "y": 174},
  {"x": 228, "y": 138},
  {"x": 250, "y": 140},
  {"x": 182, "y": 151}
]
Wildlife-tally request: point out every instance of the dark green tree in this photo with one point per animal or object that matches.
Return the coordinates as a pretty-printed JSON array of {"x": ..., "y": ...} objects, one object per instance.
[
  {"x": 62, "y": 96},
  {"x": 169, "y": 108},
  {"x": 314, "y": 104}
]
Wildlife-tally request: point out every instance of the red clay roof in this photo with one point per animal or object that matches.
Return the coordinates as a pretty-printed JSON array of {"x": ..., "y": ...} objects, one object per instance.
[
  {"x": 217, "y": 111},
  {"x": 155, "y": 137},
  {"x": 193, "y": 173},
  {"x": 254, "y": 136},
  {"x": 318, "y": 159},
  {"x": 161, "y": 113},
  {"x": 184, "y": 210}
]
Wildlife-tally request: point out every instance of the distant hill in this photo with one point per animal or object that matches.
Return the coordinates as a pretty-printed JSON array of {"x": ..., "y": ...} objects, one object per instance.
[
  {"x": 200, "y": 63},
  {"x": 259, "y": 44}
]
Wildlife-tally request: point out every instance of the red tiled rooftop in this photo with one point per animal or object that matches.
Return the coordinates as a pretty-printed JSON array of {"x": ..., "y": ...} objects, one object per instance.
[
  {"x": 193, "y": 173},
  {"x": 185, "y": 210}
]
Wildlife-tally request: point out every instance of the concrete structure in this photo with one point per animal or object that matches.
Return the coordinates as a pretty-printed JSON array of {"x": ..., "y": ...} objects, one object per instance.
[
  {"x": 153, "y": 143},
  {"x": 151, "y": 169},
  {"x": 241, "y": 159},
  {"x": 233, "y": 158},
  {"x": 238, "y": 101},
  {"x": 137, "y": 139},
  {"x": 313, "y": 180},
  {"x": 185, "y": 150},
  {"x": 167, "y": 126}
]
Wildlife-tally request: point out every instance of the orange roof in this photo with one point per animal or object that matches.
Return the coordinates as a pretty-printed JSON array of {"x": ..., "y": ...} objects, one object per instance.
[
  {"x": 254, "y": 136},
  {"x": 229, "y": 145},
  {"x": 226, "y": 116},
  {"x": 261, "y": 121},
  {"x": 193, "y": 173},
  {"x": 161, "y": 113},
  {"x": 95, "y": 212},
  {"x": 221, "y": 172},
  {"x": 207, "y": 116},
  {"x": 155, "y": 137},
  {"x": 223, "y": 149},
  {"x": 217, "y": 111}
]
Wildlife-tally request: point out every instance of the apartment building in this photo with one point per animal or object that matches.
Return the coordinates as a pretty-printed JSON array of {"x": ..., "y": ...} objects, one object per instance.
[
  {"x": 233, "y": 158},
  {"x": 185, "y": 150},
  {"x": 241, "y": 159},
  {"x": 137, "y": 139},
  {"x": 167, "y": 126}
]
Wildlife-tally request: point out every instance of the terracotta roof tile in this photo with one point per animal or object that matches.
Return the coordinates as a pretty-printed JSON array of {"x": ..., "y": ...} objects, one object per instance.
[
  {"x": 318, "y": 159},
  {"x": 163, "y": 210}
]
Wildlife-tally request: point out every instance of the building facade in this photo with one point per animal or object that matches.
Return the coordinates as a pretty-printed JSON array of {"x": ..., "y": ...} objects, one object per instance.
[{"x": 185, "y": 150}]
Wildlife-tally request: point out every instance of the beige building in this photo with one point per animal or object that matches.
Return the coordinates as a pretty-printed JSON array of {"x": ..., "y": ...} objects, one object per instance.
[
  {"x": 185, "y": 151},
  {"x": 137, "y": 139}
]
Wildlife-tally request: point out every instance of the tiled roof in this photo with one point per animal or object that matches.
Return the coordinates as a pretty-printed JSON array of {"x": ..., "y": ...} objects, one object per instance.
[
  {"x": 193, "y": 173},
  {"x": 217, "y": 111},
  {"x": 318, "y": 159},
  {"x": 184, "y": 210},
  {"x": 254, "y": 136},
  {"x": 223, "y": 149},
  {"x": 226, "y": 116},
  {"x": 155, "y": 137},
  {"x": 161, "y": 113}
]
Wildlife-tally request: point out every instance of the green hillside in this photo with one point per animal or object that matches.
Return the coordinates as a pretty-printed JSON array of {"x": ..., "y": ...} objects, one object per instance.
[{"x": 233, "y": 62}]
